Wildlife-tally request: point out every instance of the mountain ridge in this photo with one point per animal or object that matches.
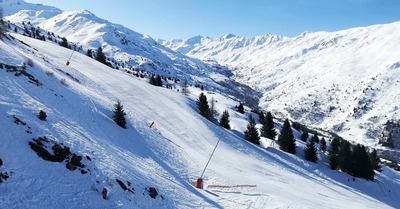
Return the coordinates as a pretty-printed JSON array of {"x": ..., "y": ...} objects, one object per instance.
[{"x": 306, "y": 78}]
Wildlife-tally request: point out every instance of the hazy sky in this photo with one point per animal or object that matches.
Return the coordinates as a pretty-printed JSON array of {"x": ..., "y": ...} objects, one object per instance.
[{"x": 168, "y": 19}]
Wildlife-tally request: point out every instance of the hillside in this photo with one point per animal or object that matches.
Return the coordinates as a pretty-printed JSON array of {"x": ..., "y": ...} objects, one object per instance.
[
  {"x": 79, "y": 99},
  {"x": 345, "y": 81},
  {"x": 126, "y": 49}
]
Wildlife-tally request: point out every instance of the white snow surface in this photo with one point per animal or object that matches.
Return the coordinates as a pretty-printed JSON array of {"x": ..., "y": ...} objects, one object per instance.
[
  {"x": 167, "y": 156},
  {"x": 345, "y": 81}
]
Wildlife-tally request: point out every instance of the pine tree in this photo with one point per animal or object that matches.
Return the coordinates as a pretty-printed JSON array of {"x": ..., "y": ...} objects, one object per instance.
[
  {"x": 335, "y": 144},
  {"x": 100, "y": 56},
  {"x": 119, "y": 115},
  {"x": 152, "y": 80},
  {"x": 251, "y": 134},
  {"x": 89, "y": 53},
  {"x": 286, "y": 140},
  {"x": 323, "y": 144},
  {"x": 203, "y": 107},
  {"x": 224, "y": 122},
  {"x": 315, "y": 138},
  {"x": 304, "y": 136},
  {"x": 213, "y": 111},
  {"x": 42, "y": 115},
  {"x": 3, "y": 27},
  {"x": 333, "y": 160},
  {"x": 310, "y": 152},
  {"x": 158, "y": 81},
  {"x": 240, "y": 108},
  {"x": 346, "y": 163},
  {"x": 375, "y": 160},
  {"x": 64, "y": 43},
  {"x": 361, "y": 159},
  {"x": 268, "y": 127},
  {"x": 261, "y": 117},
  {"x": 333, "y": 154},
  {"x": 185, "y": 87}
]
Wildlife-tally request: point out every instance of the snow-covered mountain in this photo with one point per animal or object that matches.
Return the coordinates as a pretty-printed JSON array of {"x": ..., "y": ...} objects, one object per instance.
[
  {"x": 79, "y": 158},
  {"x": 346, "y": 81},
  {"x": 128, "y": 49},
  {"x": 143, "y": 167}
]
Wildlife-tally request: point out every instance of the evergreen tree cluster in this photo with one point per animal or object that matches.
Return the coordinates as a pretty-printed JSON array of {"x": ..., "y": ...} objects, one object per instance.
[
  {"x": 157, "y": 81},
  {"x": 353, "y": 160},
  {"x": 286, "y": 140},
  {"x": 64, "y": 43}
]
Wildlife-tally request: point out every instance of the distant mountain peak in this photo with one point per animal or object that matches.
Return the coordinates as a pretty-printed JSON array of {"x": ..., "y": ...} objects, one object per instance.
[
  {"x": 228, "y": 36},
  {"x": 11, "y": 7}
]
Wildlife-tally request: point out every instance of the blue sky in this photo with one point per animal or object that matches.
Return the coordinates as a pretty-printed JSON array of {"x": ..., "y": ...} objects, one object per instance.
[{"x": 168, "y": 19}]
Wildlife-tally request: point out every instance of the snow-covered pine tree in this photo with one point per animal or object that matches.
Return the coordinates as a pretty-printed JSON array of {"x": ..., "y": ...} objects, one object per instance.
[
  {"x": 286, "y": 139},
  {"x": 224, "y": 122},
  {"x": 119, "y": 115},
  {"x": 268, "y": 127},
  {"x": 310, "y": 152},
  {"x": 251, "y": 134}
]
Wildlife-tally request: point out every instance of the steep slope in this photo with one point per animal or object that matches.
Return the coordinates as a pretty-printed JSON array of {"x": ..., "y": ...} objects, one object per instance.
[
  {"x": 343, "y": 81},
  {"x": 78, "y": 101},
  {"x": 129, "y": 50}
]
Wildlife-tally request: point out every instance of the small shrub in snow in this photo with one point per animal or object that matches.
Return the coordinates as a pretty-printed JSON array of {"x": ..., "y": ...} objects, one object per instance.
[
  {"x": 50, "y": 74},
  {"x": 42, "y": 115},
  {"x": 30, "y": 63},
  {"x": 64, "y": 82}
]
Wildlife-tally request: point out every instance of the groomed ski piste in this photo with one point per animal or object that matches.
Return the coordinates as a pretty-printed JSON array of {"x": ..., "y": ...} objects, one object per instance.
[{"x": 79, "y": 100}]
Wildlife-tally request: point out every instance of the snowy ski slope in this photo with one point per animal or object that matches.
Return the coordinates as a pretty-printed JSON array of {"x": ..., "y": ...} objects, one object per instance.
[{"x": 167, "y": 157}]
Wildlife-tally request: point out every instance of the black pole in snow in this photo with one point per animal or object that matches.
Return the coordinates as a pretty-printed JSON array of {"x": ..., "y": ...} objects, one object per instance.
[{"x": 200, "y": 180}]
